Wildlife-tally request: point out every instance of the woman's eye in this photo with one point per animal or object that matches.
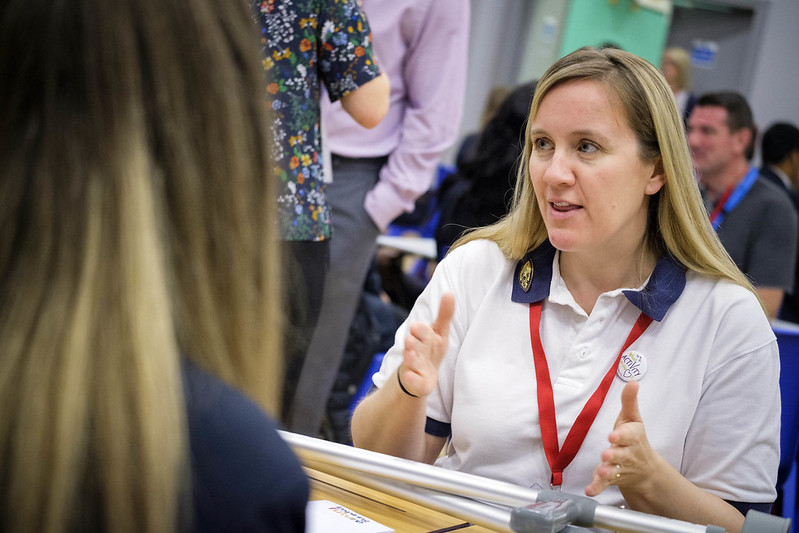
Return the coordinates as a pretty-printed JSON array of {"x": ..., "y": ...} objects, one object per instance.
[
  {"x": 587, "y": 147},
  {"x": 541, "y": 144}
]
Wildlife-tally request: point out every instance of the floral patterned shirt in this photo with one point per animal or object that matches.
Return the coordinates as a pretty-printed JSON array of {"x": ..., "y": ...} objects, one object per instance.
[{"x": 305, "y": 43}]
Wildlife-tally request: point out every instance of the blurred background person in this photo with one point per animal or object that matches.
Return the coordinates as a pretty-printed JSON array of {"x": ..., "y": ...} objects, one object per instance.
[
  {"x": 480, "y": 190},
  {"x": 676, "y": 68},
  {"x": 780, "y": 154},
  {"x": 476, "y": 194},
  {"x": 496, "y": 96},
  {"x": 308, "y": 43},
  {"x": 138, "y": 273},
  {"x": 378, "y": 174},
  {"x": 756, "y": 222}
]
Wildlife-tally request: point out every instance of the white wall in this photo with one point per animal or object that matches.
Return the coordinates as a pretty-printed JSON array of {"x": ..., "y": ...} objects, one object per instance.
[{"x": 774, "y": 93}]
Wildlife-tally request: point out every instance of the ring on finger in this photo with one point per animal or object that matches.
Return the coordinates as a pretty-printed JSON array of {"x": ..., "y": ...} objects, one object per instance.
[{"x": 618, "y": 471}]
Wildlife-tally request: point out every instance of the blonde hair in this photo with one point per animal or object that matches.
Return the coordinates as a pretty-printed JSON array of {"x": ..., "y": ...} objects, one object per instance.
[
  {"x": 677, "y": 222},
  {"x": 681, "y": 60},
  {"x": 136, "y": 223}
]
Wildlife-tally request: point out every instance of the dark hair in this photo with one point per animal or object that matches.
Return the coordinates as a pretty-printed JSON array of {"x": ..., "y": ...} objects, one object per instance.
[
  {"x": 480, "y": 191},
  {"x": 779, "y": 141},
  {"x": 739, "y": 114},
  {"x": 502, "y": 140}
]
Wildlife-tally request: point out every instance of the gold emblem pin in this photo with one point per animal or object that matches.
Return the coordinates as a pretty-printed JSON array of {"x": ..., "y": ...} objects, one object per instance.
[{"x": 526, "y": 276}]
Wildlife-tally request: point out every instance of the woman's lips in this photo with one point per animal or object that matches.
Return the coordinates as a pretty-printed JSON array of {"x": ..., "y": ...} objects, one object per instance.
[{"x": 563, "y": 207}]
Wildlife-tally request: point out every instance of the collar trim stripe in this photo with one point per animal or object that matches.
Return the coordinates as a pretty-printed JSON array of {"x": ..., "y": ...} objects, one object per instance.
[{"x": 663, "y": 289}]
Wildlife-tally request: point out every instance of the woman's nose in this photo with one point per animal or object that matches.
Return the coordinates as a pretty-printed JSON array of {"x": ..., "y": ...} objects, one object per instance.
[{"x": 559, "y": 171}]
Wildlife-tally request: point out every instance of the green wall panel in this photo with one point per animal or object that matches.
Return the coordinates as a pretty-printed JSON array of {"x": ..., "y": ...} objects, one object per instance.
[{"x": 620, "y": 22}]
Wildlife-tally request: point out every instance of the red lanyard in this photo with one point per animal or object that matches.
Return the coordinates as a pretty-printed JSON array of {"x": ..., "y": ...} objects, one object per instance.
[
  {"x": 720, "y": 204},
  {"x": 559, "y": 459}
]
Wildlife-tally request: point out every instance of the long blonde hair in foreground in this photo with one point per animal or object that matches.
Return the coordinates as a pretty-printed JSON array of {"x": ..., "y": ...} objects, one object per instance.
[
  {"x": 135, "y": 226},
  {"x": 678, "y": 222}
]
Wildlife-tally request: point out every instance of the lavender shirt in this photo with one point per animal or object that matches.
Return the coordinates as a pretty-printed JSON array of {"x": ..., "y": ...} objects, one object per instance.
[{"x": 422, "y": 45}]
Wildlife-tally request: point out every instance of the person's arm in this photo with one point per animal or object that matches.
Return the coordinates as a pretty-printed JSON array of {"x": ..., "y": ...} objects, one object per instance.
[
  {"x": 772, "y": 299},
  {"x": 391, "y": 420},
  {"x": 368, "y": 104},
  {"x": 347, "y": 63},
  {"x": 648, "y": 483},
  {"x": 434, "y": 76}
]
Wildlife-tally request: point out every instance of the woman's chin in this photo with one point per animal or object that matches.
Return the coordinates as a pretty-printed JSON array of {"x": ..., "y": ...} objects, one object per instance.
[{"x": 565, "y": 241}]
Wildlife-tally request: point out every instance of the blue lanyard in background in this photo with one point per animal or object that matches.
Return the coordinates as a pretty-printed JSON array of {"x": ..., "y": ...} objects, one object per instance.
[{"x": 737, "y": 195}]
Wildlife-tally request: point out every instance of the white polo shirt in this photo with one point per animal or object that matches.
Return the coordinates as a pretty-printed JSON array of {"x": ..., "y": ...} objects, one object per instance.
[{"x": 709, "y": 397}]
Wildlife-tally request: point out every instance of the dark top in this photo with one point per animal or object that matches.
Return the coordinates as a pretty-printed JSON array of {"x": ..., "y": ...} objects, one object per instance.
[
  {"x": 790, "y": 303},
  {"x": 761, "y": 234},
  {"x": 245, "y": 477},
  {"x": 689, "y": 108}
]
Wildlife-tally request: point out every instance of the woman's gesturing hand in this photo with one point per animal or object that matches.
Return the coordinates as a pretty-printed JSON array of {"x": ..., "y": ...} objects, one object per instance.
[
  {"x": 425, "y": 347},
  {"x": 630, "y": 460}
]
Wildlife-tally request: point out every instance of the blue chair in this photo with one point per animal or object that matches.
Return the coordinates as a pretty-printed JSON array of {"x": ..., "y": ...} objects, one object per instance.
[{"x": 788, "y": 342}]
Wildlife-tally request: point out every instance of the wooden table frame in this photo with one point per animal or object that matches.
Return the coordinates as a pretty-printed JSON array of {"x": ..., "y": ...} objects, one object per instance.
[{"x": 401, "y": 515}]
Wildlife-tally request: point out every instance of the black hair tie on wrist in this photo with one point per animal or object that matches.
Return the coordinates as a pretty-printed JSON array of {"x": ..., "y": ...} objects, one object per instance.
[{"x": 403, "y": 386}]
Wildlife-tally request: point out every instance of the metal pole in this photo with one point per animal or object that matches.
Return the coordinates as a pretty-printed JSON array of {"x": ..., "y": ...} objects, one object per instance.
[
  {"x": 403, "y": 477},
  {"x": 404, "y": 470}
]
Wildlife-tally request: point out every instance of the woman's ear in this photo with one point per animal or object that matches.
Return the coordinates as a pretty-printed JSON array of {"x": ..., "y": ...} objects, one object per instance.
[
  {"x": 657, "y": 179},
  {"x": 741, "y": 139},
  {"x": 793, "y": 173}
]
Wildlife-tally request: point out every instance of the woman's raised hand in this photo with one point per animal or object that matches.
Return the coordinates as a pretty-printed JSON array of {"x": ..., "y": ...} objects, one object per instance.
[
  {"x": 425, "y": 347},
  {"x": 630, "y": 461}
]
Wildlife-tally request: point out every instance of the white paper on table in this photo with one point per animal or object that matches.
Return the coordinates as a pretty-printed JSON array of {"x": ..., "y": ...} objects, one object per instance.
[
  {"x": 422, "y": 246},
  {"x": 324, "y": 516}
]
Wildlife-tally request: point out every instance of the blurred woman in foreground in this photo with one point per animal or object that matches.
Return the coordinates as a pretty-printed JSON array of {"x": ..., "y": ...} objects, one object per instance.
[{"x": 137, "y": 273}]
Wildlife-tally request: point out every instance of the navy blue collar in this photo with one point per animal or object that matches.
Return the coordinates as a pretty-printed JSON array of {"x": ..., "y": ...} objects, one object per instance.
[{"x": 664, "y": 287}]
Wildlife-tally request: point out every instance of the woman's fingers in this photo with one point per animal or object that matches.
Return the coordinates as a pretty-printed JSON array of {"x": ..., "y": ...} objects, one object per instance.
[
  {"x": 625, "y": 462},
  {"x": 629, "y": 404},
  {"x": 603, "y": 476},
  {"x": 425, "y": 347},
  {"x": 445, "y": 311}
]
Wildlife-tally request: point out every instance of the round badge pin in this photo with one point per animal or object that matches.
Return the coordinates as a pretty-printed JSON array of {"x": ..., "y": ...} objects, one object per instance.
[{"x": 632, "y": 366}]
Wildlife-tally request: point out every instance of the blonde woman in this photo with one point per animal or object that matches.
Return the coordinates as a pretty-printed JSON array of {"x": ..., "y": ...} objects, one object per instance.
[
  {"x": 676, "y": 67},
  {"x": 604, "y": 282},
  {"x": 137, "y": 268}
]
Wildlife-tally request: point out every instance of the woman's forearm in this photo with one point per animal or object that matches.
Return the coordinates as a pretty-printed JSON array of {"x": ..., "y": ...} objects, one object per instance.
[
  {"x": 392, "y": 422},
  {"x": 668, "y": 493}
]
